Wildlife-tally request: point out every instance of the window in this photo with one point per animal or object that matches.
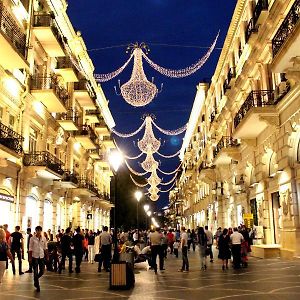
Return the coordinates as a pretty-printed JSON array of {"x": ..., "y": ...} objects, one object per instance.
[
  {"x": 32, "y": 140},
  {"x": 1, "y": 113},
  {"x": 253, "y": 207},
  {"x": 11, "y": 121}
]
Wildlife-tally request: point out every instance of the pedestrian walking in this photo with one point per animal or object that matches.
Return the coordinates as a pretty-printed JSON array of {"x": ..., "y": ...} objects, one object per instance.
[
  {"x": 105, "y": 249},
  {"x": 171, "y": 239},
  {"x": 66, "y": 251},
  {"x": 155, "y": 242},
  {"x": 37, "y": 254},
  {"x": 184, "y": 249},
  {"x": 236, "y": 239},
  {"x": 202, "y": 243},
  {"x": 91, "y": 243},
  {"x": 176, "y": 247},
  {"x": 210, "y": 240},
  {"x": 29, "y": 236},
  {"x": 193, "y": 239},
  {"x": 164, "y": 245},
  {"x": 4, "y": 253},
  {"x": 224, "y": 248},
  {"x": 78, "y": 243},
  {"x": 17, "y": 247}
]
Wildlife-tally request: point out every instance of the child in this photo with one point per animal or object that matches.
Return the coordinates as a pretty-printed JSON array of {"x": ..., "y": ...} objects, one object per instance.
[{"x": 175, "y": 247}]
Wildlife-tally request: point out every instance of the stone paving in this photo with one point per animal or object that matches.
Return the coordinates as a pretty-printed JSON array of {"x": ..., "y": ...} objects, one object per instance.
[{"x": 263, "y": 279}]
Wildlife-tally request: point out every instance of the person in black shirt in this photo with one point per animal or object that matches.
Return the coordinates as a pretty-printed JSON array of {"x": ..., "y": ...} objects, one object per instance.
[
  {"x": 17, "y": 247},
  {"x": 91, "y": 243},
  {"x": 78, "y": 248},
  {"x": 29, "y": 236},
  {"x": 66, "y": 251}
]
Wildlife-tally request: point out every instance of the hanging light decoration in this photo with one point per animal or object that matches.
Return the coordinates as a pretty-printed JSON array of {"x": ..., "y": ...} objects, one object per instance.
[
  {"x": 138, "y": 91},
  {"x": 126, "y": 135},
  {"x": 154, "y": 179},
  {"x": 153, "y": 189},
  {"x": 149, "y": 143},
  {"x": 170, "y": 132},
  {"x": 149, "y": 163},
  {"x": 154, "y": 197},
  {"x": 138, "y": 184}
]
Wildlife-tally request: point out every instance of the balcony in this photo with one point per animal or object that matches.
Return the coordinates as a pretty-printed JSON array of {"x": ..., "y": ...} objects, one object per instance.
[
  {"x": 92, "y": 116},
  {"x": 13, "y": 42},
  {"x": 285, "y": 44},
  {"x": 213, "y": 115},
  {"x": 230, "y": 75},
  {"x": 256, "y": 113},
  {"x": 260, "y": 12},
  {"x": 46, "y": 31},
  {"x": 101, "y": 128},
  {"x": 85, "y": 94},
  {"x": 86, "y": 187},
  {"x": 10, "y": 143},
  {"x": 48, "y": 91},
  {"x": 68, "y": 120},
  {"x": 102, "y": 161},
  {"x": 68, "y": 181},
  {"x": 44, "y": 165},
  {"x": 65, "y": 68},
  {"x": 251, "y": 28},
  {"x": 108, "y": 142},
  {"x": 94, "y": 153},
  {"x": 226, "y": 150},
  {"x": 86, "y": 137}
]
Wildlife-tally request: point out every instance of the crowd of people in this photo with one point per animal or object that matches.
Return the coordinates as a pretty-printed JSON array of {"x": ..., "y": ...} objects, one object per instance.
[{"x": 45, "y": 249}]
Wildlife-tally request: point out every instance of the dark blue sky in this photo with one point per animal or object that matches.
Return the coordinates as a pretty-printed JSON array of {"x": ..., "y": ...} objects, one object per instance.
[{"x": 106, "y": 23}]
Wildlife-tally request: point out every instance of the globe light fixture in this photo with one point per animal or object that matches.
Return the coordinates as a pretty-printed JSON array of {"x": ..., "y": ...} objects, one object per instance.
[
  {"x": 138, "y": 195},
  {"x": 115, "y": 159},
  {"x": 149, "y": 213},
  {"x": 146, "y": 207}
]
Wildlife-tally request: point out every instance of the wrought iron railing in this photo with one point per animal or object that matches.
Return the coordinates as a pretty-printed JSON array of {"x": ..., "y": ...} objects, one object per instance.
[
  {"x": 107, "y": 138},
  {"x": 84, "y": 85},
  {"x": 260, "y": 98},
  {"x": 70, "y": 176},
  {"x": 66, "y": 62},
  {"x": 93, "y": 112},
  {"x": 230, "y": 75},
  {"x": 10, "y": 28},
  {"x": 48, "y": 20},
  {"x": 213, "y": 115},
  {"x": 251, "y": 27},
  {"x": 44, "y": 159},
  {"x": 286, "y": 28},
  {"x": 85, "y": 183},
  {"x": 86, "y": 130},
  {"x": 70, "y": 115},
  {"x": 50, "y": 83},
  {"x": 10, "y": 139},
  {"x": 260, "y": 6},
  {"x": 225, "y": 142}
]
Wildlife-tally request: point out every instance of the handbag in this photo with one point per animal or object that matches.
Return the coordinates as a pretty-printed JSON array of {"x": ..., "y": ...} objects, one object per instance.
[
  {"x": 207, "y": 251},
  {"x": 98, "y": 257}
]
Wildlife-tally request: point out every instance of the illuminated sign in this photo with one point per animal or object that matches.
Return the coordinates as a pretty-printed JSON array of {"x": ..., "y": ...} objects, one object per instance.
[{"x": 7, "y": 198}]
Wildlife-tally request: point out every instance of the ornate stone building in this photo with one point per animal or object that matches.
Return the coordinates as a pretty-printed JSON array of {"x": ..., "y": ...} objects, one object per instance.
[
  {"x": 55, "y": 120},
  {"x": 241, "y": 152}
]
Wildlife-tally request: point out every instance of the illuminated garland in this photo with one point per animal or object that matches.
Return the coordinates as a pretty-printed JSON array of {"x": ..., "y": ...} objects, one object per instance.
[
  {"x": 170, "y": 173},
  {"x": 133, "y": 171},
  {"x": 138, "y": 184},
  {"x": 168, "y": 190},
  {"x": 109, "y": 76},
  {"x": 134, "y": 157},
  {"x": 167, "y": 183},
  {"x": 154, "y": 179},
  {"x": 154, "y": 197},
  {"x": 170, "y": 132},
  {"x": 149, "y": 163},
  {"x": 126, "y": 135},
  {"x": 182, "y": 72},
  {"x": 169, "y": 156}
]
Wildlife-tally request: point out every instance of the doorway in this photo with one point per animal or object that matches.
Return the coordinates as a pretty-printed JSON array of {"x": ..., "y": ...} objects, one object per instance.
[{"x": 277, "y": 216}]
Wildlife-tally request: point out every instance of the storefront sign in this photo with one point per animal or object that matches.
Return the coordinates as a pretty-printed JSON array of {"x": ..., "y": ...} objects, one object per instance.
[
  {"x": 248, "y": 220},
  {"x": 7, "y": 198},
  {"x": 89, "y": 216}
]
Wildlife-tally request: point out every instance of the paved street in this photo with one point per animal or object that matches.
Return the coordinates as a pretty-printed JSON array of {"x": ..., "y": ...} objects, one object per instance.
[{"x": 264, "y": 279}]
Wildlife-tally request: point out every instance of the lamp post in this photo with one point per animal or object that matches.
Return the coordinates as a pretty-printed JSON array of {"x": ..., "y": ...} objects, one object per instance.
[
  {"x": 146, "y": 208},
  {"x": 138, "y": 196},
  {"x": 149, "y": 213},
  {"x": 115, "y": 159}
]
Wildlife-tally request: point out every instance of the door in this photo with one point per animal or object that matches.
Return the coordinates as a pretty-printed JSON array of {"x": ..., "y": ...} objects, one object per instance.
[
  {"x": 253, "y": 207},
  {"x": 276, "y": 211}
]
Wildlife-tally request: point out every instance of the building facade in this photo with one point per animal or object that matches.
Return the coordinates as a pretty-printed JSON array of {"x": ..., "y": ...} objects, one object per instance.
[
  {"x": 54, "y": 122},
  {"x": 241, "y": 151}
]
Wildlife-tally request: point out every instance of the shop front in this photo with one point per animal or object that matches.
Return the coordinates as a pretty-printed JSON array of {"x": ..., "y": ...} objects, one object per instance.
[
  {"x": 6, "y": 208},
  {"x": 48, "y": 215},
  {"x": 31, "y": 217}
]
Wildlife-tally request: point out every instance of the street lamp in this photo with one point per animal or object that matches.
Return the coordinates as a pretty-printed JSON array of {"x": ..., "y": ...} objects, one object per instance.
[
  {"x": 138, "y": 196},
  {"x": 146, "y": 207},
  {"x": 148, "y": 213},
  {"x": 115, "y": 160}
]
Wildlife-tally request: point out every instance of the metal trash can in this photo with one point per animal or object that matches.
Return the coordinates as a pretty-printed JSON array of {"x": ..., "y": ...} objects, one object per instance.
[{"x": 121, "y": 276}]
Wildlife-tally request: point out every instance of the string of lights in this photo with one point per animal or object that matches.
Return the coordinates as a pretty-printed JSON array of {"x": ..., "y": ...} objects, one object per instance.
[
  {"x": 149, "y": 163},
  {"x": 170, "y": 132},
  {"x": 169, "y": 156},
  {"x": 169, "y": 173},
  {"x": 138, "y": 184},
  {"x": 134, "y": 157},
  {"x": 185, "y": 71},
  {"x": 135, "y": 172},
  {"x": 131, "y": 134},
  {"x": 109, "y": 76},
  {"x": 167, "y": 183},
  {"x": 168, "y": 190}
]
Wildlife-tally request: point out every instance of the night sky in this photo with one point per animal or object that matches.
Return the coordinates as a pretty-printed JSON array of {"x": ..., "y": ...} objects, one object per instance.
[{"x": 108, "y": 26}]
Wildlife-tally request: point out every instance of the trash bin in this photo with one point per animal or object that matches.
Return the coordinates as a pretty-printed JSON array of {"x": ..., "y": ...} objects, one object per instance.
[{"x": 121, "y": 276}]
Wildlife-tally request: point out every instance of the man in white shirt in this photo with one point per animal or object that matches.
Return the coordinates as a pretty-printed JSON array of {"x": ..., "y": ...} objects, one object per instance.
[
  {"x": 209, "y": 236},
  {"x": 105, "y": 249},
  {"x": 156, "y": 249},
  {"x": 236, "y": 240},
  {"x": 184, "y": 249},
  {"x": 38, "y": 252}
]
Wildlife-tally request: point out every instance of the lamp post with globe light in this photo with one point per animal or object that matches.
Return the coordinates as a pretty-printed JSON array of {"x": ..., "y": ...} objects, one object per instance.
[
  {"x": 146, "y": 208},
  {"x": 115, "y": 159},
  {"x": 138, "y": 196}
]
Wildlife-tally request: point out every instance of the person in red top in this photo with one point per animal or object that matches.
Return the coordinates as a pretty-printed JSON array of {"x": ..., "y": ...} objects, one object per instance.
[
  {"x": 7, "y": 237},
  {"x": 171, "y": 239}
]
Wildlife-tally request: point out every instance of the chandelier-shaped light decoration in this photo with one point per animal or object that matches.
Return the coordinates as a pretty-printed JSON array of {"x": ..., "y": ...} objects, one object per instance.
[
  {"x": 149, "y": 163},
  {"x": 138, "y": 91},
  {"x": 154, "y": 197},
  {"x": 153, "y": 189},
  {"x": 134, "y": 171},
  {"x": 154, "y": 179},
  {"x": 149, "y": 143}
]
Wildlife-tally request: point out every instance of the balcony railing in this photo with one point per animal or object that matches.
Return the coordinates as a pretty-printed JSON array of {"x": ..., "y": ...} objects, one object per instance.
[
  {"x": 94, "y": 112},
  {"x": 70, "y": 176},
  {"x": 10, "y": 28},
  {"x": 251, "y": 27},
  {"x": 286, "y": 28},
  {"x": 260, "y": 98},
  {"x": 225, "y": 142},
  {"x": 10, "y": 139},
  {"x": 85, "y": 183},
  {"x": 86, "y": 130},
  {"x": 66, "y": 62},
  {"x": 260, "y": 6},
  {"x": 84, "y": 85},
  {"x": 230, "y": 75},
  {"x": 48, "y": 20},
  {"x": 50, "y": 83},
  {"x": 70, "y": 115},
  {"x": 44, "y": 159},
  {"x": 213, "y": 116}
]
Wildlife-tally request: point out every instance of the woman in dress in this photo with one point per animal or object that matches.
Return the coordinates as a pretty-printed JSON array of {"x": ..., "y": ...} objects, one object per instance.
[
  {"x": 4, "y": 253},
  {"x": 224, "y": 248}
]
